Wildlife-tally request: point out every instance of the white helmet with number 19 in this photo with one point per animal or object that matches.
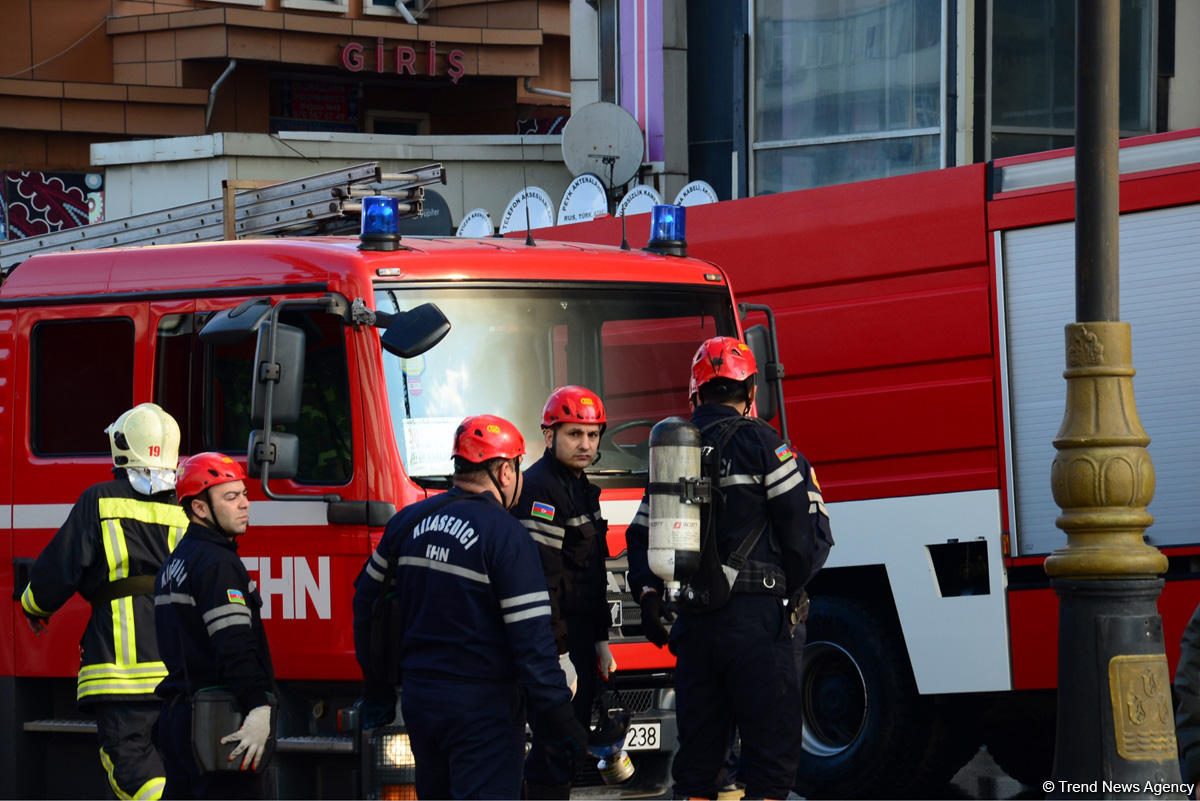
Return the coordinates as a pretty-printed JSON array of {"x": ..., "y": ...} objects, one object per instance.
[{"x": 145, "y": 436}]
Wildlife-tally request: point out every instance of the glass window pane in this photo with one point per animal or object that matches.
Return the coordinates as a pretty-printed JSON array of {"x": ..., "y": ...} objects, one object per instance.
[
  {"x": 837, "y": 67},
  {"x": 82, "y": 380},
  {"x": 509, "y": 348},
  {"x": 1033, "y": 64},
  {"x": 207, "y": 389},
  {"x": 785, "y": 169}
]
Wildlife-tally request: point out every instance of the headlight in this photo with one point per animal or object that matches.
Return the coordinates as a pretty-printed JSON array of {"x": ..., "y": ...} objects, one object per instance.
[{"x": 396, "y": 752}]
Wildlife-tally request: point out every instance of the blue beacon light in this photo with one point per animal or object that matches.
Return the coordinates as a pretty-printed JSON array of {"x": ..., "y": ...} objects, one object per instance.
[
  {"x": 668, "y": 231},
  {"x": 380, "y": 224}
]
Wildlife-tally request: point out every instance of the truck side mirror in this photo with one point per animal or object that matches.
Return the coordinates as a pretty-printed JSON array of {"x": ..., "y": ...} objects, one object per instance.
[
  {"x": 231, "y": 326},
  {"x": 286, "y": 370},
  {"x": 758, "y": 338},
  {"x": 281, "y": 451},
  {"x": 411, "y": 333}
]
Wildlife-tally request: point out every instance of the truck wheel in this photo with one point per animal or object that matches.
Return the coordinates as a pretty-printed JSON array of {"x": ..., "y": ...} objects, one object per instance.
[{"x": 866, "y": 730}]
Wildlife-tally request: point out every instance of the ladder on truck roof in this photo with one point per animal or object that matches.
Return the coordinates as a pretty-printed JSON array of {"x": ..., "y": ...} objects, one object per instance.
[{"x": 246, "y": 209}]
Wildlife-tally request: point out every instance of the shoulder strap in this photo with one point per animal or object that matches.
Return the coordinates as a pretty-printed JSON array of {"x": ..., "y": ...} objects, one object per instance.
[{"x": 725, "y": 428}]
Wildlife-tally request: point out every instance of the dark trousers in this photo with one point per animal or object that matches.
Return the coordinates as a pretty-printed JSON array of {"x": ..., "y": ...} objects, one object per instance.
[
  {"x": 468, "y": 738},
  {"x": 540, "y": 766},
  {"x": 127, "y": 751},
  {"x": 184, "y": 777},
  {"x": 738, "y": 666}
]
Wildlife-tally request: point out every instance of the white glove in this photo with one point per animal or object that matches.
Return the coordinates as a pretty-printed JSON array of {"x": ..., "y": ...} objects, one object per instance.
[
  {"x": 564, "y": 662},
  {"x": 251, "y": 737},
  {"x": 604, "y": 659}
]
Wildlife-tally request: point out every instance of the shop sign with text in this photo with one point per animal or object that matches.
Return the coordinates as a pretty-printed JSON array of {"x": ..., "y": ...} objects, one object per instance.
[{"x": 403, "y": 59}]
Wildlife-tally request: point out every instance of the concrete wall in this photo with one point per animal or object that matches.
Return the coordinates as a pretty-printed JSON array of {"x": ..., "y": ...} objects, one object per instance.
[
  {"x": 1184, "y": 111},
  {"x": 481, "y": 171}
]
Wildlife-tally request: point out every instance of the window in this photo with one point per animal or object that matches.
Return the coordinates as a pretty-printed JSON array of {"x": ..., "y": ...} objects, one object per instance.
[
  {"x": 207, "y": 390},
  {"x": 397, "y": 122},
  {"x": 846, "y": 91},
  {"x": 511, "y": 346},
  {"x": 81, "y": 376},
  {"x": 1033, "y": 49},
  {"x": 334, "y": 6}
]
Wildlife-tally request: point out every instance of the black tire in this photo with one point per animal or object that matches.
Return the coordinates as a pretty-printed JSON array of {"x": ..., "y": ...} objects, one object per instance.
[
  {"x": 867, "y": 732},
  {"x": 1019, "y": 733}
]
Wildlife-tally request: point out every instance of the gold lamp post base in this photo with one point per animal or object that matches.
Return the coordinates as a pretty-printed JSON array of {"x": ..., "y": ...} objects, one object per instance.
[{"x": 1102, "y": 477}]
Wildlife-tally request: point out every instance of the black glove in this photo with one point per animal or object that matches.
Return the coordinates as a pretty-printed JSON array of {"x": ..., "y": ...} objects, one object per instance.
[
  {"x": 565, "y": 735},
  {"x": 654, "y": 612},
  {"x": 377, "y": 707}
]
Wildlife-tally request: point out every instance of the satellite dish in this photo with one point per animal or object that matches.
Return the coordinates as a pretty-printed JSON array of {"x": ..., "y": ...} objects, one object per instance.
[
  {"x": 697, "y": 193},
  {"x": 604, "y": 139},
  {"x": 584, "y": 200},
  {"x": 434, "y": 219},
  {"x": 536, "y": 201},
  {"x": 639, "y": 200},
  {"x": 475, "y": 223}
]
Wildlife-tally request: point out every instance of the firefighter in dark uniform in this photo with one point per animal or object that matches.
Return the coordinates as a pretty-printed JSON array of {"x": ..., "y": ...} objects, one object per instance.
[
  {"x": 113, "y": 542},
  {"x": 210, "y": 631},
  {"x": 739, "y": 664},
  {"x": 473, "y": 625},
  {"x": 560, "y": 509}
]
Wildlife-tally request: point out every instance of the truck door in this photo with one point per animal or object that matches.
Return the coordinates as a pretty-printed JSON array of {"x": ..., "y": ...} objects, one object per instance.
[{"x": 304, "y": 566}]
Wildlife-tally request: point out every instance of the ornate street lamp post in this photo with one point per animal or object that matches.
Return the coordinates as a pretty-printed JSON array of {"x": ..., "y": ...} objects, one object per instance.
[{"x": 1115, "y": 717}]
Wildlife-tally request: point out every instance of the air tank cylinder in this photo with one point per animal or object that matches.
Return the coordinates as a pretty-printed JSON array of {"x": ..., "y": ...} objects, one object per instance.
[{"x": 674, "y": 541}]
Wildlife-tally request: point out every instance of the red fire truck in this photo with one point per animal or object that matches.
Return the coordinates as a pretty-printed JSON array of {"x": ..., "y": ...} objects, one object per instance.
[
  {"x": 921, "y": 325},
  {"x": 85, "y": 335}
]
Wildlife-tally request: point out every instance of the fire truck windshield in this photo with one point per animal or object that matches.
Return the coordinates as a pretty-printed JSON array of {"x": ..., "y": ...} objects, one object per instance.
[{"x": 510, "y": 345}]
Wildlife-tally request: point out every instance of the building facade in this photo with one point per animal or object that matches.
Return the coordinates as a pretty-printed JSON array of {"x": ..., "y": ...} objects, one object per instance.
[
  {"x": 115, "y": 70},
  {"x": 785, "y": 95}
]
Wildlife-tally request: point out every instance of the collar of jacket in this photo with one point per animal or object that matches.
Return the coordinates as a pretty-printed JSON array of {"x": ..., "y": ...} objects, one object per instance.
[{"x": 708, "y": 412}]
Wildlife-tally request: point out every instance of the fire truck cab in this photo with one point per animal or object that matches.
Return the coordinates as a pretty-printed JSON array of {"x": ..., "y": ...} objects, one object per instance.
[{"x": 86, "y": 335}]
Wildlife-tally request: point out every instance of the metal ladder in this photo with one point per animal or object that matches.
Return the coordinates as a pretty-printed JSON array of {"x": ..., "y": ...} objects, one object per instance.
[{"x": 243, "y": 211}]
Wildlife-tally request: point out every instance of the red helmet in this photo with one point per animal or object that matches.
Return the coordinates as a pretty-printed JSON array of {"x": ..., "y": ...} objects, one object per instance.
[
  {"x": 204, "y": 470},
  {"x": 486, "y": 436},
  {"x": 572, "y": 404},
  {"x": 721, "y": 357}
]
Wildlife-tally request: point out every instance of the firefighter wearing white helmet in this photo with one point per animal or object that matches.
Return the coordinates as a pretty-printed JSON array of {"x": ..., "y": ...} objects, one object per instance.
[{"x": 112, "y": 544}]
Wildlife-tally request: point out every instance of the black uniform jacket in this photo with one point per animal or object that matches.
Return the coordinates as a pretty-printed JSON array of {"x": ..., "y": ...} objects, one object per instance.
[
  {"x": 112, "y": 533},
  {"x": 210, "y": 630},
  {"x": 561, "y": 512},
  {"x": 473, "y": 605},
  {"x": 764, "y": 481}
]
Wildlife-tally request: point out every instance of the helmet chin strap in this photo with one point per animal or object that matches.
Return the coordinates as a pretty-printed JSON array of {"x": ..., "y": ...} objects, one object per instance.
[
  {"x": 216, "y": 524},
  {"x": 503, "y": 500}
]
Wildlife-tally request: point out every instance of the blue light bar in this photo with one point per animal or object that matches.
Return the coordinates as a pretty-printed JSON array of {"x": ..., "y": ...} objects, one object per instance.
[
  {"x": 668, "y": 223},
  {"x": 380, "y": 223},
  {"x": 668, "y": 227}
]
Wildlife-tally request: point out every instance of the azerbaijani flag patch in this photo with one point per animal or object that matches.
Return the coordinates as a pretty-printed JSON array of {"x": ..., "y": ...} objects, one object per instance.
[
  {"x": 784, "y": 452},
  {"x": 235, "y": 597},
  {"x": 542, "y": 510}
]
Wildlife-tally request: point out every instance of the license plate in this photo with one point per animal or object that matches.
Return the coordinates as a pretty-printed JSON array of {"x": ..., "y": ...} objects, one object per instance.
[{"x": 644, "y": 737}]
